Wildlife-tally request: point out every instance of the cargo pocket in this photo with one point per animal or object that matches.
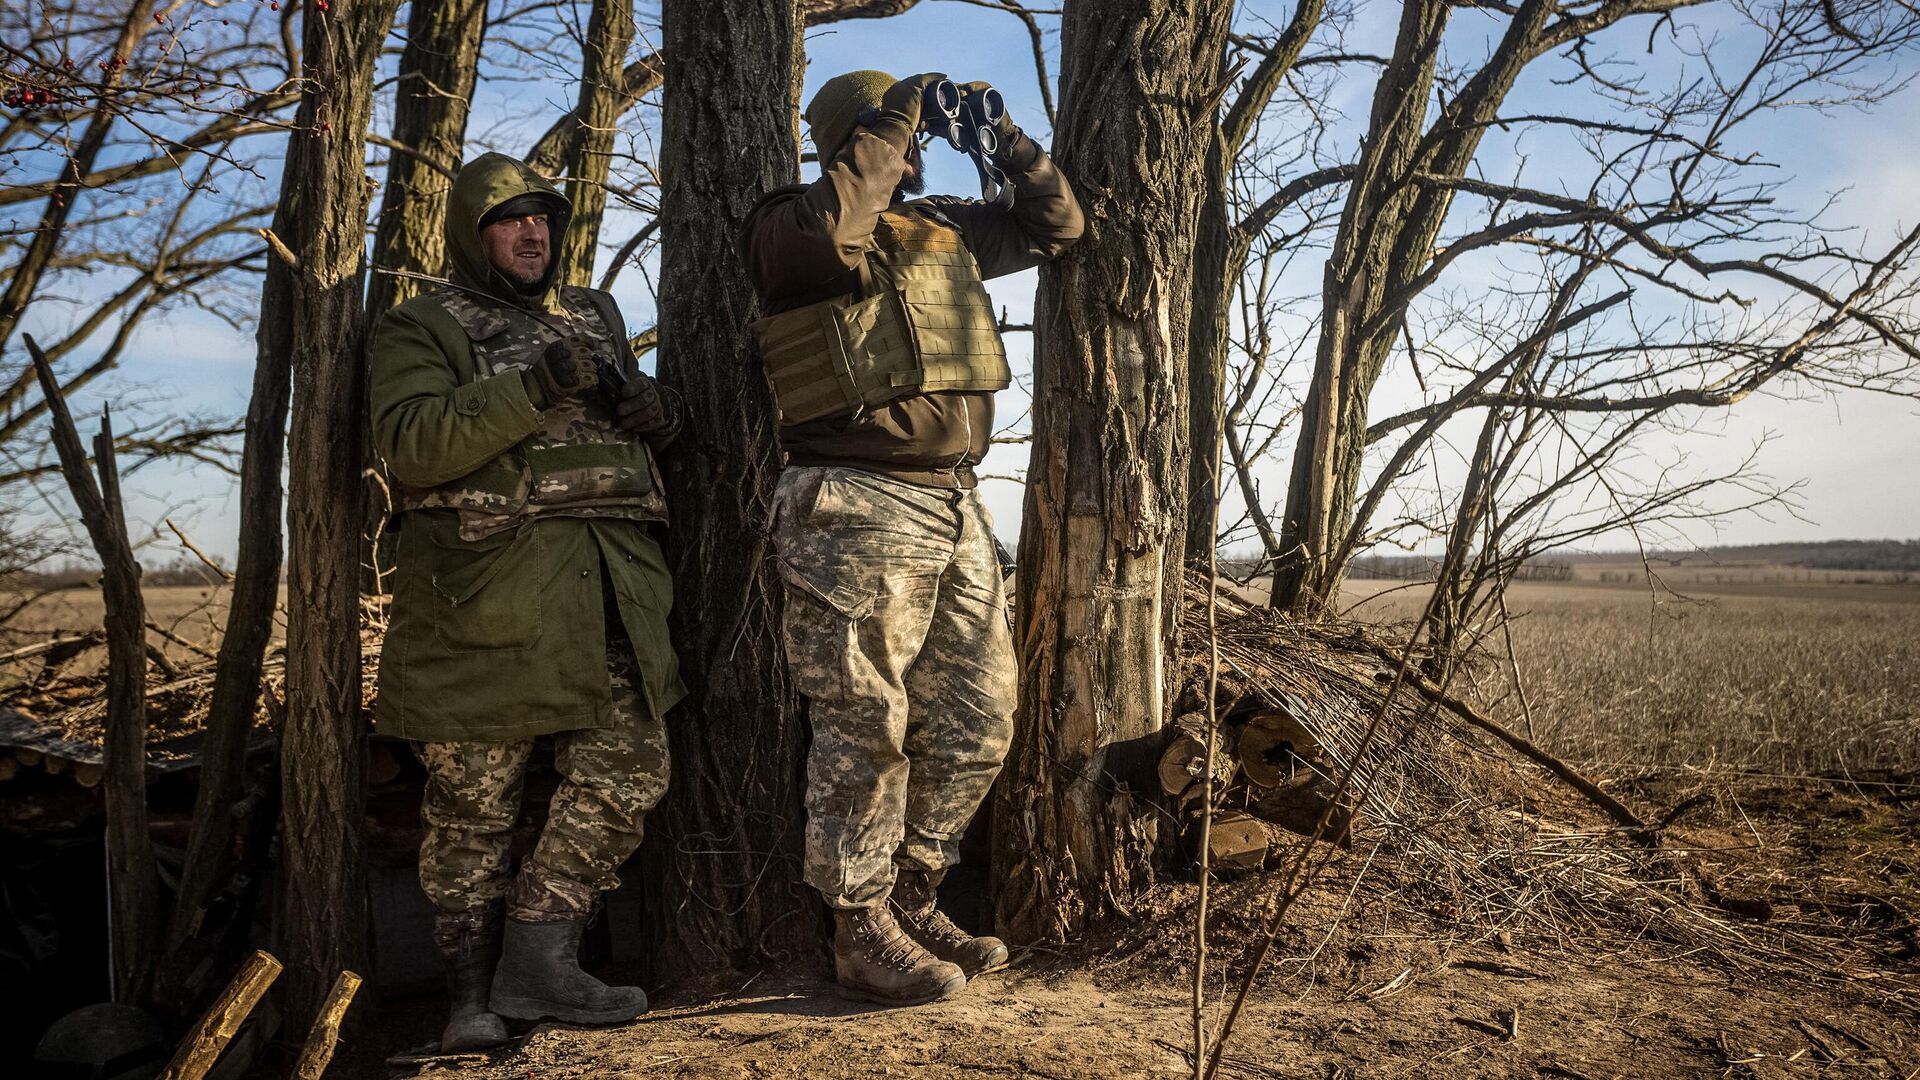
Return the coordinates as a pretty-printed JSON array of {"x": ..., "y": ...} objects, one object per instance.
[
  {"x": 821, "y": 632},
  {"x": 489, "y": 590}
]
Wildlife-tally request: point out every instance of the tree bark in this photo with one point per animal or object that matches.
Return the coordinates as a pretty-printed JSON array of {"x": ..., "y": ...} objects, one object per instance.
[
  {"x": 589, "y": 158},
  {"x": 437, "y": 73},
  {"x": 726, "y": 843},
  {"x": 1100, "y": 549},
  {"x": 320, "y": 326}
]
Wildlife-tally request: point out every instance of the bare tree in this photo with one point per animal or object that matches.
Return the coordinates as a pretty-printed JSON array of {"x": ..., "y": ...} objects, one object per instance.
[
  {"x": 1389, "y": 250},
  {"x": 1100, "y": 590}
]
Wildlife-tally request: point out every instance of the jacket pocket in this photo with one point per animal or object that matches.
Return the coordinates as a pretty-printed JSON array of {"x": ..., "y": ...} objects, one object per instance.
[{"x": 488, "y": 590}]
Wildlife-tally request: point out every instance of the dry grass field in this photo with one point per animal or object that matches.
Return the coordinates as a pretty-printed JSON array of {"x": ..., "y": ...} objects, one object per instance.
[{"x": 1743, "y": 676}]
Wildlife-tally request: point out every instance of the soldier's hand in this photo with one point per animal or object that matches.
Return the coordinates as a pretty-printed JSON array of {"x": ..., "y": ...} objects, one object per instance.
[
  {"x": 1004, "y": 126},
  {"x": 565, "y": 371},
  {"x": 646, "y": 408},
  {"x": 902, "y": 100}
]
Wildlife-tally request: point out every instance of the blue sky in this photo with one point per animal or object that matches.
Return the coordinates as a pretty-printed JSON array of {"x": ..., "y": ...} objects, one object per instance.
[{"x": 1856, "y": 451}]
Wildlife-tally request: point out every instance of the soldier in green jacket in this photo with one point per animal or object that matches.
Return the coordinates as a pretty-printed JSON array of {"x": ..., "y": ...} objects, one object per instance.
[
  {"x": 530, "y": 597},
  {"x": 884, "y": 354}
]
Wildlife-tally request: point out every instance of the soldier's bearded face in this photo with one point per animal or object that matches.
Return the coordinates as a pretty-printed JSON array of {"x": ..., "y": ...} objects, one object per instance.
[
  {"x": 519, "y": 247},
  {"x": 914, "y": 180}
]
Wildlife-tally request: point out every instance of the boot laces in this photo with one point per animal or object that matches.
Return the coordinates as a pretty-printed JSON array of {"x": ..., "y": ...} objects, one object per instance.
[
  {"x": 930, "y": 924},
  {"x": 888, "y": 944}
]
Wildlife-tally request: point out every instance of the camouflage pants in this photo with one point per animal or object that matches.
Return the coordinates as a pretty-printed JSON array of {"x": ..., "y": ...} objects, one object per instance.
[
  {"x": 896, "y": 631},
  {"x": 611, "y": 777}
]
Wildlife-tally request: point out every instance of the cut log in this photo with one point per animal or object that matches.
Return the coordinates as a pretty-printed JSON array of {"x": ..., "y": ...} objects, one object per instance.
[
  {"x": 325, "y": 1035},
  {"x": 1183, "y": 762},
  {"x": 1238, "y": 841},
  {"x": 202, "y": 1048},
  {"x": 1274, "y": 748},
  {"x": 8, "y": 766},
  {"x": 88, "y": 773},
  {"x": 1297, "y": 807}
]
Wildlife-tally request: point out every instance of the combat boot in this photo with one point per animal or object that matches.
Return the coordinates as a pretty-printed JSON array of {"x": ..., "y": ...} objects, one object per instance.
[
  {"x": 540, "y": 977},
  {"x": 874, "y": 959},
  {"x": 915, "y": 902},
  {"x": 469, "y": 945}
]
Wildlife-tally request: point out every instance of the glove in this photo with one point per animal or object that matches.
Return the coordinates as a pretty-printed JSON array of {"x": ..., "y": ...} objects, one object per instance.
[
  {"x": 902, "y": 100},
  {"x": 1003, "y": 128},
  {"x": 646, "y": 408},
  {"x": 566, "y": 370}
]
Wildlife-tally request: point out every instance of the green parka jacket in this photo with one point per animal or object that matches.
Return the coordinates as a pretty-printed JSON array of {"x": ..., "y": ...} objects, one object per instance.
[{"x": 502, "y": 638}]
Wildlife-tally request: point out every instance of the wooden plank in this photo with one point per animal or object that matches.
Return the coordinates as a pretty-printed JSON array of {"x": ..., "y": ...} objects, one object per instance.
[{"x": 202, "y": 1048}]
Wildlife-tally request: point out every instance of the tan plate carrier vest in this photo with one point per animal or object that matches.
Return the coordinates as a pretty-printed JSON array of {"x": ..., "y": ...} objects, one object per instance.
[
  {"x": 578, "y": 463},
  {"x": 923, "y": 322}
]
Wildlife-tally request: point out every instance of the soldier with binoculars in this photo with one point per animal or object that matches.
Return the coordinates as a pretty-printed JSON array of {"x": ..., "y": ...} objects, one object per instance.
[{"x": 884, "y": 354}]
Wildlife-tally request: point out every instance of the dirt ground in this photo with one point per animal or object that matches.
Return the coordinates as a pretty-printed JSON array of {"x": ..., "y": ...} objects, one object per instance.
[{"x": 1361, "y": 983}]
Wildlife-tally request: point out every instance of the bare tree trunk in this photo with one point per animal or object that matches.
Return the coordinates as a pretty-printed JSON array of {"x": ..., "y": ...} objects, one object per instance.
[
  {"x": 437, "y": 73},
  {"x": 317, "y": 309},
  {"x": 1106, "y": 498},
  {"x": 133, "y": 887},
  {"x": 1219, "y": 258},
  {"x": 727, "y": 840},
  {"x": 590, "y": 155}
]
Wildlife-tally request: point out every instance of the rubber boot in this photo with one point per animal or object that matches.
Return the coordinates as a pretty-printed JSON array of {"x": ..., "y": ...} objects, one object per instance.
[
  {"x": 875, "y": 960},
  {"x": 470, "y": 1024},
  {"x": 539, "y": 977},
  {"x": 915, "y": 903}
]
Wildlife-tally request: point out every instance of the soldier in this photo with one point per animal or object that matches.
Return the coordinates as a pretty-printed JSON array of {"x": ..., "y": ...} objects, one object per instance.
[
  {"x": 884, "y": 354},
  {"x": 530, "y": 597}
]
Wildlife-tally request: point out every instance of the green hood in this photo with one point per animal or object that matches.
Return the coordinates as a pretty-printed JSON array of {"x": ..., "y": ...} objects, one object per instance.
[{"x": 484, "y": 183}]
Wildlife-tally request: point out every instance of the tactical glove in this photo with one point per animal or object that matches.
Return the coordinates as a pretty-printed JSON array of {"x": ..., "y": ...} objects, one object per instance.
[
  {"x": 565, "y": 371},
  {"x": 648, "y": 409},
  {"x": 902, "y": 100},
  {"x": 1003, "y": 129},
  {"x": 1004, "y": 126}
]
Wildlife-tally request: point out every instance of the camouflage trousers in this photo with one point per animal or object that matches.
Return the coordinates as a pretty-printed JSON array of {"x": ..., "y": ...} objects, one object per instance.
[
  {"x": 896, "y": 631},
  {"x": 611, "y": 777}
]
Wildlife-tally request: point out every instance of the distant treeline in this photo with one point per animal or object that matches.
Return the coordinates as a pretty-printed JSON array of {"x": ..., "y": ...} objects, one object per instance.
[
  {"x": 73, "y": 575},
  {"x": 1887, "y": 555},
  {"x": 1892, "y": 555}
]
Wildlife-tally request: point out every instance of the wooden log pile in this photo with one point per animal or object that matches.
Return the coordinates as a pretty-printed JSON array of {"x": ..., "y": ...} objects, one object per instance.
[{"x": 1271, "y": 783}]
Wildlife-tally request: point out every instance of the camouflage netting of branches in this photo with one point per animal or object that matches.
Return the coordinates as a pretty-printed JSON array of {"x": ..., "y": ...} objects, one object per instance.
[{"x": 1465, "y": 840}]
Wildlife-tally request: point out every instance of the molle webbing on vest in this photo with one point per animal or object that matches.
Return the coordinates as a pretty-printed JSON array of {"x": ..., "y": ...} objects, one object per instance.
[
  {"x": 926, "y": 324},
  {"x": 578, "y": 463}
]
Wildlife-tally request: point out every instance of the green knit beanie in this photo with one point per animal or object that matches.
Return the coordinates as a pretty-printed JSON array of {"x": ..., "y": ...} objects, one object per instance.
[{"x": 835, "y": 109}]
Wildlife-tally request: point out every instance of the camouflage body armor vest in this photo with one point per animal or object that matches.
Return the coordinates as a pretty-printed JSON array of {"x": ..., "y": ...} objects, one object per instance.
[
  {"x": 577, "y": 464},
  {"x": 922, "y": 322}
]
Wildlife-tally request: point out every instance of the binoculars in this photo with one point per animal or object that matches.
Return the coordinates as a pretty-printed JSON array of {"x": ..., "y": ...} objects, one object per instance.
[{"x": 970, "y": 124}]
